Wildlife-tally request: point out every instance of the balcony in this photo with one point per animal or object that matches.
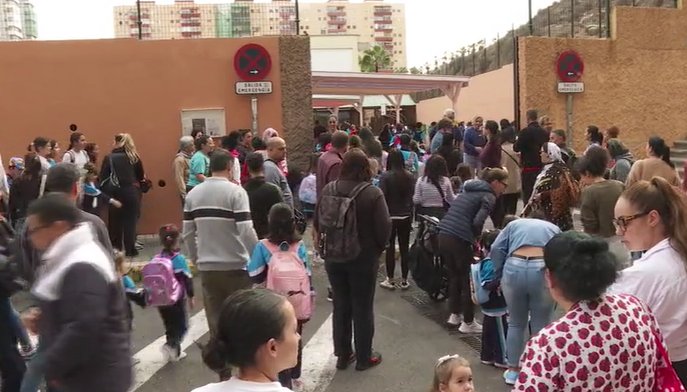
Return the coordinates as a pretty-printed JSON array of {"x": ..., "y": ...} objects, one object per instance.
[
  {"x": 383, "y": 29},
  {"x": 190, "y": 24},
  {"x": 336, "y": 31},
  {"x": 382, "y": 12},
  {"x": 336, "y": 22},
  {"x": 336, "y": 13},
  {"x": 384, "y": 39},
  {"x": 195, "y": 15}
]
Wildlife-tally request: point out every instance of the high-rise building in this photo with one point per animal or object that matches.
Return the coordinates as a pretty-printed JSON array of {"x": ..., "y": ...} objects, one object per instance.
[
  {"x": 374, "y": 22},
  {"x": 17, "y": 20}
]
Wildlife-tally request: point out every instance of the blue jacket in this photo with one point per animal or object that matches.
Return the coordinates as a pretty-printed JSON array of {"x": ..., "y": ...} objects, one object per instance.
[
  {"x": 471, "y": 140},
  {"x": 468, "y": 212}
]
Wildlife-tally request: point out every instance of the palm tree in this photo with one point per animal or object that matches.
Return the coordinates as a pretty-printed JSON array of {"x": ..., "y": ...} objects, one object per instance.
[{"x": 374, "y": 60}]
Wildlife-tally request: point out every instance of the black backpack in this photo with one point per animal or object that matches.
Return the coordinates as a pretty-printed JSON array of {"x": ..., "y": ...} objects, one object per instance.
[{"x": 338, "y": 224}]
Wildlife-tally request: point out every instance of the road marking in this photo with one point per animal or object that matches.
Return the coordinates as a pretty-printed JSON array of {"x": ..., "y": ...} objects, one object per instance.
[
  {"x": 319, "y": 362},
  {"x": 150, "y": 357},
  {"x": 391, "y": 320}
]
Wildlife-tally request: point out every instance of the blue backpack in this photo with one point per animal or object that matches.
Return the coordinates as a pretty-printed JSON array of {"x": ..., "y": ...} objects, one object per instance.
[{"x": 479, "y": 294}]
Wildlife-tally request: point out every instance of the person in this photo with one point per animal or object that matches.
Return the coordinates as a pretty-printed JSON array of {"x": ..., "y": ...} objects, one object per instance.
[
  {"x": 12, "y": 365},
  {"x": 268, "y": 134},
  {"x": 622, "y": 160},
  {"x": 457, "y": 233},
  {"x": 85, "y": 347},
  {"x": 597, "y": 201},
  {"x": 511, "y": 162},
  {"x": 262, "y": 195},
  {"x": 55, "y": 151},
  {"x": 474, "y": 143},
  {"x": 245, "y": 144},
  {"x": 307, "y": 191},
  {"x": 657, "y": 163},
  {"x": 372, "y": 147},
  {"x": 443, "y": 127},
  {"x": 92, "y": 195},
  {"x": 385, "y": 136},
  {"x": 125, "y": 164},
  {"x": 452, "y": 373},
  {"x": 175, "y": 317},
  {"x": 397, "y": 185},
  {"x": 546, "y": 123},
  {"x": 517, "y": 254},
  {"x": 465, "y": 173},
  {"x": 650, "y": 216},
  {"x": 76, "y": 152},
  {"x": 41, "y": 146},
  {"x": 612, "y": 132},
  {"x": 490, "y": 156},
  {"x": 594, "y": 137},
  {"x": 92, "y": 150},
  {"x": 450, "y": 153},
  {"x": 199, "y": 166},
  {"x": 612, "y": 342},
  {"x": 555, "y": 190},
  {"x": 181, "y": 165},
  {"x": 329, "y": 165},
  {"x": 354, "y": 142},
  {"x": 219, "y": 236},
  {"x": 261, "y": 352},
  {"x": 15, "y": 167},
  {"x": 332, "y": 124},
  {"x": 132, "y": 292},
  {"x": 28, "y": 187},
  {"x": 410, "y": 158},
  {"x": 230, "y": 143},
  {"x": 559, "y": 138},
  {"x": 283, "y": 236},
  {"x": 276, "y": 153},
  {"x": 353, "y": 282},
  {"x": 198, "y": 132},
  {"x": 529, "y": 145},
  {"x": 318, "y": 129},
  {"x": 495, "y": 330},
  {"x": 433, "y": 191}
]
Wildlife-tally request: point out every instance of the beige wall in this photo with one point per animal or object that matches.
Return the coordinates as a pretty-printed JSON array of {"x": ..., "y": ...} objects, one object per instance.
[
  {"x": 636, "y": 80},
  {"x": 489, "y": 95}
]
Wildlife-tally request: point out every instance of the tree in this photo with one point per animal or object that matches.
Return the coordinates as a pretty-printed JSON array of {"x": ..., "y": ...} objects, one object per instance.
[
  {"x": 374, "y": 60},
  {"x": 401, "y": 70},
  {"x": 415, "y": 71}
]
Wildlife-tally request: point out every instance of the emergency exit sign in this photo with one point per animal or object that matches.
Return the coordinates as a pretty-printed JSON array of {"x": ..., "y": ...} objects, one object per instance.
[{"x": 251, "y": 88}]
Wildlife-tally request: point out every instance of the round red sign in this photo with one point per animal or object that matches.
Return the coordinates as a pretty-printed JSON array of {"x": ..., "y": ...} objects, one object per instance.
[
  {"x": 252, "y": 63},
  {"x": 569, "y": 66}
]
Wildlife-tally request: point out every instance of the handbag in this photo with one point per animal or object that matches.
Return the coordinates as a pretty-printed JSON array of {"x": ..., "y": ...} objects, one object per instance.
[
  {"x": 666, "y": 380},
  {"x": 111, "y": 183}
]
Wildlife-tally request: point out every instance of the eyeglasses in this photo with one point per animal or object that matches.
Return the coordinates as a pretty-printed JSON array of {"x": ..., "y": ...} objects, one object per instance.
[
  {"x": 622, "y": 222},
  {"x": 504, "y": 183},
  {"x": 445, "y": 359}
]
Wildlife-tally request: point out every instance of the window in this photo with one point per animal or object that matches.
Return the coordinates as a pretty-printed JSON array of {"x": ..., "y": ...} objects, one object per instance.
[
  {"x": 348, "y": 27},
  {"x": 354, "y": 27}
]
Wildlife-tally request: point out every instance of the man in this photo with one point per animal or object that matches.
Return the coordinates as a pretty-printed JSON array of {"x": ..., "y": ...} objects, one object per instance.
[
  {"x": 473, "y": 143},
  {"x": 445, "y": 126},
  {"x": 181, "y": 165},
  {"x": 200, "y": 161},
  {"x": 15, "y": 168},
  {"x": 529, "y": 144},
  {"x": 329, "y": 164},
  {"x": 276, "y": 152},
  {"x": 246, "y": 144},
  {"x": 84, "y": 340},
  {"x": 559, "y": 138},
  {"x": 219, "y": 236},
  {"x": 261, "y": 194}
]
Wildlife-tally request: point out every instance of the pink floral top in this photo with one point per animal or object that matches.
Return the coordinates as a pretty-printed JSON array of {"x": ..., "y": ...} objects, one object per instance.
[{"x": 609, "y": 345}]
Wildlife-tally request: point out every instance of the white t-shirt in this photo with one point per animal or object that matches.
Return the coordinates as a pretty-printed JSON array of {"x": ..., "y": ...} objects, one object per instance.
[
  {"x": 78, "y": 158},
  {"x": 236, "y": 385}
]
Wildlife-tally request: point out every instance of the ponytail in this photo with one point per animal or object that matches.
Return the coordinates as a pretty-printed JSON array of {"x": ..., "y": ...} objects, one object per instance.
[
  {"x": 493, "y": 174},
  {"x": 661, "y": 150}
]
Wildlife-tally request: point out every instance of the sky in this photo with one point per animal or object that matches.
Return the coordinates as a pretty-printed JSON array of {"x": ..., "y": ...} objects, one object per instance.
[{"x": 433, "y": 27}]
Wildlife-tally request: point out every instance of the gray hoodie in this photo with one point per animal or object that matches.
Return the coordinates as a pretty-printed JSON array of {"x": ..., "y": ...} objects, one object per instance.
[{"x": 621, "y": 169}]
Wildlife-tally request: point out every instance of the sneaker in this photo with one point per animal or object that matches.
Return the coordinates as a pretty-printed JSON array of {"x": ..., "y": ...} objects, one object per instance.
[
  {"x": 488, "y": 363},
  {"x": 167, "y": 352},
  {"x": 473, "y": 327},
  {"x": 404, "y": 285},
  {"x": 181, "y": 356},
  {"x": 330, "y": 294},
  {"x": 375, "y": 359},
  {"x": 500, "y": 365},
  {"x": 139, "y": 245},
  {"x": 454, "y": 320},
  {"x": 342, "y": 362},
  {"x": 510, "y": 376},
  {"x": 27, "y": 351},
  {"x": 388, "y": 284}
]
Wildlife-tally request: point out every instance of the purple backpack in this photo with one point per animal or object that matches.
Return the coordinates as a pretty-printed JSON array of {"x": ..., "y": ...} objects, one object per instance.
[{"x": 161, "y": 286}]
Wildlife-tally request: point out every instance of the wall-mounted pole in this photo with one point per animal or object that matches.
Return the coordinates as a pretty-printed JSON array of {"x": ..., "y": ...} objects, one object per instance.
[
  {"x": 140, "y": 22},
  {"x": 298, "y": 19},
  {"x": 572, "y": 18},
  {"x": 600, "y": 20},
  {"x": 531, "y": 22},
  {"x": 608, "y": 18}
]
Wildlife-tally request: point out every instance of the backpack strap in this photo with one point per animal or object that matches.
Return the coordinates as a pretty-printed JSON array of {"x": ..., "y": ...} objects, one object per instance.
[
  {"x": 358, "y": 188},
  {"x": 272, "y": 248}
]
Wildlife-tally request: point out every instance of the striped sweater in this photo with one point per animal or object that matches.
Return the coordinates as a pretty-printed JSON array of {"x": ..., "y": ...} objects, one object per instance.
[
  {"x": 218, "y": 231},
  {"x": 428, "y": 195}
]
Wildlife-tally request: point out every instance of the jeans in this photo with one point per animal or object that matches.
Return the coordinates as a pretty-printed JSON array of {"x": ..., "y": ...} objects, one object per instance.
[
  {"x": 12, "y": 365},
  {"x": 526, "y": 295},
  {"x": 15, "y": 322},
  {"x": 458, "y": 256},
  {"x": 472, "y": 161},
  {"x": 122, "y": 221},
  {"x": 176, "y": 323},
  {"x": 35, "y": 372},
  {"x": 494, "y": 332},
  {"x": 400, "y": 228},
  {"x": 353, "y": 284}
]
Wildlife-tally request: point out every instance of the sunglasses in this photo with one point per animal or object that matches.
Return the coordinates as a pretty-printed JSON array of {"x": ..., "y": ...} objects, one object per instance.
[{"x": 622, "y": 222}]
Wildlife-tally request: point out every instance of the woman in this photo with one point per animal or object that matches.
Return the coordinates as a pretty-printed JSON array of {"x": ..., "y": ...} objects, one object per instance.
[
  {"x": 92, "y": 150},
  {"x": 518, "y": 257},
  {"x": 657, "y": 163},
  {"x": 433, "y": 191},
  {"x": 451, "y": 154},
  {"x": 41, "y": 146},
  {"x": 54, "y": 152},
  {"x": 546, "y": 123},
  {"x": 353, "y": 281},
  {"x": 372, "y": 147},
  {"x": 25, "y": 189},
  {"x": 458, "y": 231},
  {"x": 397, "y": 185},
  {"x": 490, "y": 156},
  {"x": 76, "y": 152},
  {"x": 260, "y": 352},
  {"x": 125, "y": 164},
  {"x": 651, "y": 216},
  {"x": 622, "y": 160},
  {"x": 555, "y": 190},
  {"x": 199, "y": 167},
  {"x": 616, "y": 344},
  {"x": 598, "y": 199},
  {"x": 385, "y": 136},
  {"x": 511, "y": 161},
  {"x": 410, "y": 158}
]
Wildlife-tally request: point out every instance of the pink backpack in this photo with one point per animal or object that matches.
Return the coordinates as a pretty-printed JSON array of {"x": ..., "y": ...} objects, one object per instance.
[
  {"x": 161, "y": 286},
  {"x": 286, "y": 275}
]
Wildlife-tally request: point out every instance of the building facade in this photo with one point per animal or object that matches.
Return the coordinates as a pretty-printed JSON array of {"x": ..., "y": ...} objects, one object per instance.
[
  {"x": 374, "y": 22},
  {"x": 17, "y": 20}
]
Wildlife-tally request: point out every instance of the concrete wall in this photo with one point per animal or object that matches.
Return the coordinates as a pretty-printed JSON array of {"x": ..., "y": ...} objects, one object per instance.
[
  {"x": 112, "y": 86},
  {"x": 334, "y": 53},
  {"x": 636, "y": 80},
  {"x": 489, "y": 95}
]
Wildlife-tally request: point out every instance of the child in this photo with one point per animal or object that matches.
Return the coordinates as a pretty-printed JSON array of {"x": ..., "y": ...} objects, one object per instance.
[
  {"x": 465, "y": 173},
  {"x": 307, "y": 193},
  {"x": 376, "y": 174},
  {"x": 452, "y": 373},
  {"x": 174, "y": 316},
  {"x": 456, "y": 184},
  {"x": 282, "y": 233},
  {"x": 133, "y": 293},
  {"x": 92, "y": 196},
  {"x": 495, "y": 325}
]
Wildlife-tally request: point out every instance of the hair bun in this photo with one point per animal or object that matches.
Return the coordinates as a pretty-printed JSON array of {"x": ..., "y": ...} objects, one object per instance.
[{"x": 591, "y": 246}]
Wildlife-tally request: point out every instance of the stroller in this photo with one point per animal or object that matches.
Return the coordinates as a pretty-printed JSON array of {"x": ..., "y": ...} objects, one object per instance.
[{"x": 426, "y": 266}]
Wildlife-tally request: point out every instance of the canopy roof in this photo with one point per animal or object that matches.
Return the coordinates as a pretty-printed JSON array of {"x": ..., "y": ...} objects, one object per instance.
[
  {"x": 368, "y": 83},
  {"x": 328, "y": 101}
]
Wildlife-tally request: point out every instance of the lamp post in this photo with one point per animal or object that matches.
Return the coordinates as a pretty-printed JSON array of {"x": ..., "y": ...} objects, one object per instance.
[
  {"x": 298, "y": 20},
  {"x": 140, "y": 22}
]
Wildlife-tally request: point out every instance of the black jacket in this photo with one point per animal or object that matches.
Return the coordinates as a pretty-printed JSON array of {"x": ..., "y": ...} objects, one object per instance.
[
  {"x": 468, "y": 212},
  {"x": 529, "y": 144},
  {"x": 262, "y": 196},
  {"x": 398, "y": 189},
  {"x": 128, "y": 173}
]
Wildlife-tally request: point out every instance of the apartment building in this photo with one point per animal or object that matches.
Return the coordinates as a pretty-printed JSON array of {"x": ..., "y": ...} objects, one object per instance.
[
  {"x": 17, "y": 20},
  {"x": 374, "y": 22}
]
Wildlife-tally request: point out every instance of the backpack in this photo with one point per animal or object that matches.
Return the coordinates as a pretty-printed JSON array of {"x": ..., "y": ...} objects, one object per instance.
[
  {"x": 161, "y": 286},
  {"x": 286, "y": 275},
  {"x": 478, "y": 293},
  {"x": 338, "y": 224}
]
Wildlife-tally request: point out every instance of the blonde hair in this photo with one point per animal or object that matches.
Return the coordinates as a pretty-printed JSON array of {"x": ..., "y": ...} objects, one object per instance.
[
  {"x": 119, "y": 261},
  {"x": 127, "y": 142},
  {"x": 444, "y": 369}
]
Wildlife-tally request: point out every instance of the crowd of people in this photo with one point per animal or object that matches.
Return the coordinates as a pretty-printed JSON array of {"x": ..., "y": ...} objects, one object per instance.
[{"x": 621, "y": 280}]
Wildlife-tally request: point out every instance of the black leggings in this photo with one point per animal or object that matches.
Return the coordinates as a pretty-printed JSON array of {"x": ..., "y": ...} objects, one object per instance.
[
  {"x": 399, "y": 228},
  {"x": 458, "y": 256},
  {"x": 122, "y": 221}
]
